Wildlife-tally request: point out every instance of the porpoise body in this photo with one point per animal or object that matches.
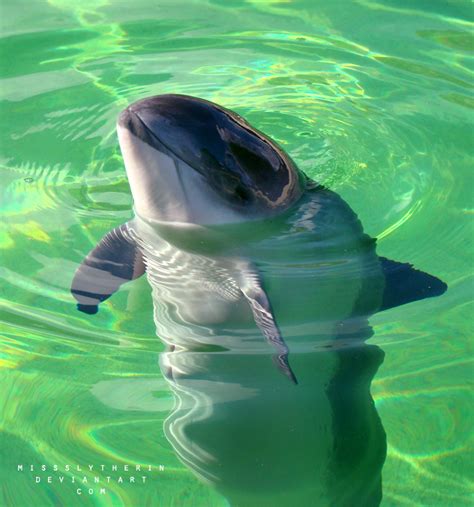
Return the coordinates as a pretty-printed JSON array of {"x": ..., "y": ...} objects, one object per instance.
[{"x": 239, "y": 245}]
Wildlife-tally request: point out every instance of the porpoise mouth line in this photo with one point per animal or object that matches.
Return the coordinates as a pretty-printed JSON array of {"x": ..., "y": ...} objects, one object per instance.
[
  {"x": 164, "y": 145},
  {"x": 160, "y": 142}
]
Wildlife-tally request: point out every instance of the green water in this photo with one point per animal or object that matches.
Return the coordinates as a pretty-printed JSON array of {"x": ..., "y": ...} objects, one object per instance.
[{"x": 373, "y": 98}]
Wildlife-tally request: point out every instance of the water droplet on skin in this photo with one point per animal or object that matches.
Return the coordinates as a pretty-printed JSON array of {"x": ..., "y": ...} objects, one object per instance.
[{"x": 28, "y": 180}]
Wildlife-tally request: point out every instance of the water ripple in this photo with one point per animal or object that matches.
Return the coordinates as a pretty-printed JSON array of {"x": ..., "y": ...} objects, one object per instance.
[{"x": 372, "y": 98}]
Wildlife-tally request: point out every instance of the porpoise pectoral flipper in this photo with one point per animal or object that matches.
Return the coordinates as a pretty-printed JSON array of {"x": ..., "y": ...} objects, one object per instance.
[
  {"x": 405, "y": 284},
  {"x": 114, "y": 261},
  {"x": 253, "y": 291}
]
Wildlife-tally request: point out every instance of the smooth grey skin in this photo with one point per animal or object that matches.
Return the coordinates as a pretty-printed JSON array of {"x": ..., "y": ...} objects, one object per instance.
[
  {"x": 238, "y": 245},
  {"x": 195, "y": 169}
]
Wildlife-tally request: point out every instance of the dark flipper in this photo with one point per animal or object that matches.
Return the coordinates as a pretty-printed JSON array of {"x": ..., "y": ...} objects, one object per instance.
[
  {"x": 263, "y": 315},
  {"x": 114, "y": 261},
  {"x": 404, "y": 284}
]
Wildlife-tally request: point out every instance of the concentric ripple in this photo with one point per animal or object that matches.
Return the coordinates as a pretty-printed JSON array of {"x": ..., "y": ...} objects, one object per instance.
[{"x": 371, "y": 98}]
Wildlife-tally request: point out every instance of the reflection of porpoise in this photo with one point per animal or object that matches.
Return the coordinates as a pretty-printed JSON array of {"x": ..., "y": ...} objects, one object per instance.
[{"x": 237, "y": 243}]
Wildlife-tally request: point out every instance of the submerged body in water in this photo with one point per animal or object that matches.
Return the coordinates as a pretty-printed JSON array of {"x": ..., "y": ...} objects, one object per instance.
[
  {"x": 239, "y": 246},
  {"x": 238, "y": 423}
]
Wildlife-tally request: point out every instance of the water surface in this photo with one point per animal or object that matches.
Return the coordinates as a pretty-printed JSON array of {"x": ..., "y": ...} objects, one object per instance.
[{"x": 371, "y": 98}]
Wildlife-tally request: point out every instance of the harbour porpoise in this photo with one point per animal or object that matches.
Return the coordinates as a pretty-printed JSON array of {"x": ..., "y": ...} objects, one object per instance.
[
  {"x": 196, "y": 170},
  {"x": 239, "y": 245}
]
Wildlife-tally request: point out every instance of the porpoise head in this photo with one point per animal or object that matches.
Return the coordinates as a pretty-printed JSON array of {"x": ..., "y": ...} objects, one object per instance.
[{"x": 191, "y": 161}]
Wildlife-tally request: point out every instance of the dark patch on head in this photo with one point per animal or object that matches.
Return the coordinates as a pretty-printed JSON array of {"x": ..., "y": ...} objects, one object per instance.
[
  {"x": 267, "y": 178},
  {"x": 236, "y": 159}
]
